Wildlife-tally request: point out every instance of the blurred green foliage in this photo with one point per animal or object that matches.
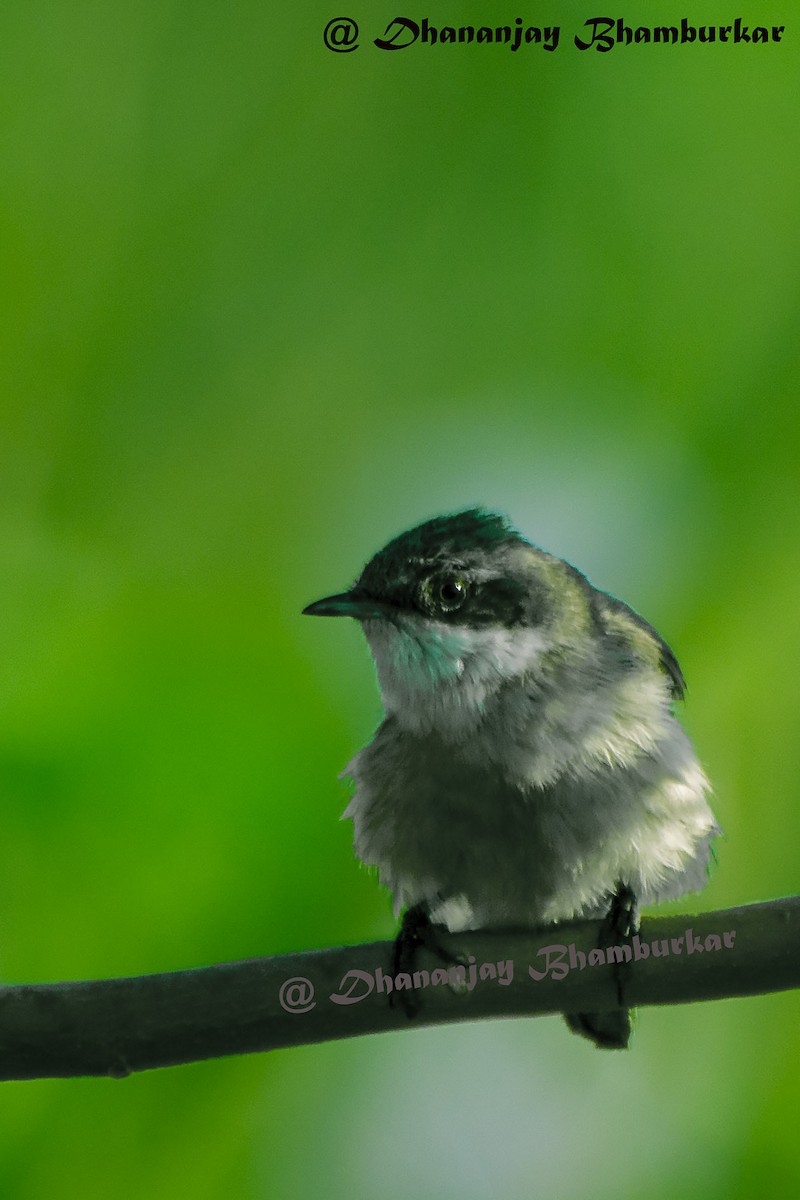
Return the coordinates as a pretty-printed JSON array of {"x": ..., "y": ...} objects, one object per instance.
[{"x": 264, "y": 306}]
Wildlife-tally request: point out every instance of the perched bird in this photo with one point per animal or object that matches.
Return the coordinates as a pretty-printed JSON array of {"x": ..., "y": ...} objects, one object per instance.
[{"x": 530, "y": 768}]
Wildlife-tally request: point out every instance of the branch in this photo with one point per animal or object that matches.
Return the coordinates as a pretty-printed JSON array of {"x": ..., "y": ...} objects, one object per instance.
[{"x": 116, "y": 1026}]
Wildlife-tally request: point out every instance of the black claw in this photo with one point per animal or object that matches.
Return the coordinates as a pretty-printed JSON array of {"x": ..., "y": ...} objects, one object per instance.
[
  {"x": 409, "y": 938},
  {"x": 416, "y": 930},
  {"x": 404, "y": 951},
  {"x": 612, "y": 1030},
  {"x": 623, "y": 915},
  {"x": 622, "y": 922}
]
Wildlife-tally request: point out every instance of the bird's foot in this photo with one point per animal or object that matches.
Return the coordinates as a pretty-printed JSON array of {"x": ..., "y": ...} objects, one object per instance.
[
  {"x": 623, "y": 915},
  {"x": 622, "y": 921},
  {"x": 416, "y": 930},
  {"x": 612, "y": 1030}
]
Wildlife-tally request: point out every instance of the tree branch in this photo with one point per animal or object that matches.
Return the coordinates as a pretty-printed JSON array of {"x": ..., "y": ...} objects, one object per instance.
[{"x": 116, "y": 1026}]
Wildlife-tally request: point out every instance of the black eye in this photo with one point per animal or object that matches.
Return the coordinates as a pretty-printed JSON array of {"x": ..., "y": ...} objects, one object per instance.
[
  {"x": 452, "y": 592},
  {"x": 445, "y": 593}
]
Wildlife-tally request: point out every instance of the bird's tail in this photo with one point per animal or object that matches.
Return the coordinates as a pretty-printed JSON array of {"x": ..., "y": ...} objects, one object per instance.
[{"x": 608, "y": 1030}]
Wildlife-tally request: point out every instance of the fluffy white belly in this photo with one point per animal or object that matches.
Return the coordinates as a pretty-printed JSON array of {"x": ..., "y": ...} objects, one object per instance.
[{"x": 481, "y": 852}]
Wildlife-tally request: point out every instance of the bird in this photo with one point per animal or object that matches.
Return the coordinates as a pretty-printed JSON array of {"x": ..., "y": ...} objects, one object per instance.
[{"x": 530, "y": 767}]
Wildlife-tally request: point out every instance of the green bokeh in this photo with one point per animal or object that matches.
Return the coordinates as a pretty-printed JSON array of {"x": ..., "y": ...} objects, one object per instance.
[{"x": 263, "y": 307}]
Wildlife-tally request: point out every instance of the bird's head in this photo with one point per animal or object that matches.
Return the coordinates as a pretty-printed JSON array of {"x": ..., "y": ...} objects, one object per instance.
[{"x": 453, "y": 610}]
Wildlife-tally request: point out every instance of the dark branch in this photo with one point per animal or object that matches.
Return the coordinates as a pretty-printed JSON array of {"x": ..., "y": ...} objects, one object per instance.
[{"x": 115, "y": 1026}]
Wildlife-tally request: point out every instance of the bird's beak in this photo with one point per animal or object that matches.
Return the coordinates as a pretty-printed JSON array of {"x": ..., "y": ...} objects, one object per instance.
[{"x": 346, "y": 604}]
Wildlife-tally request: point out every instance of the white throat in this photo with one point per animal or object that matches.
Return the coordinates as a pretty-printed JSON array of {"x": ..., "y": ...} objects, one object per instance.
[{"x": 434, "y": 675}]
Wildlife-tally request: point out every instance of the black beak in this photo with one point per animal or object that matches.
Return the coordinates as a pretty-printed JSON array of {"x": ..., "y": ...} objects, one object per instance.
[{"x": 346, "y": 604}]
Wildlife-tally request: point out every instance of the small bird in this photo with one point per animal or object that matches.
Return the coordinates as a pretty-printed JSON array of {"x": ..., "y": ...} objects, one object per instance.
[{"x": 530, "y": 768}]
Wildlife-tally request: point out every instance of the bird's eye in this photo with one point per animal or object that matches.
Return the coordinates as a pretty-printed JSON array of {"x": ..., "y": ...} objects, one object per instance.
[{"x": 445, "y": 594}]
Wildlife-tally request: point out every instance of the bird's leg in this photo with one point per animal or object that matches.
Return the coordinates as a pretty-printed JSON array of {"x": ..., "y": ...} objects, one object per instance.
[
  {"x": 622, "y": 922},
  {"x": 623, "y": 915},
  {"x": 612, "y": 1030},
  {"x": 416, "y": 930}
]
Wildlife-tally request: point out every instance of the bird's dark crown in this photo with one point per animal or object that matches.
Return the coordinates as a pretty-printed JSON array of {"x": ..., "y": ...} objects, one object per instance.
[
  {"x": 441, "y": 553},
  {"x": 452, "y": 535}
]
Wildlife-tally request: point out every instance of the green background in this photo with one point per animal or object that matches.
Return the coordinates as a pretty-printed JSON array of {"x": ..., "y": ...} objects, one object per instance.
[{"x": 265, "y": 306}]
